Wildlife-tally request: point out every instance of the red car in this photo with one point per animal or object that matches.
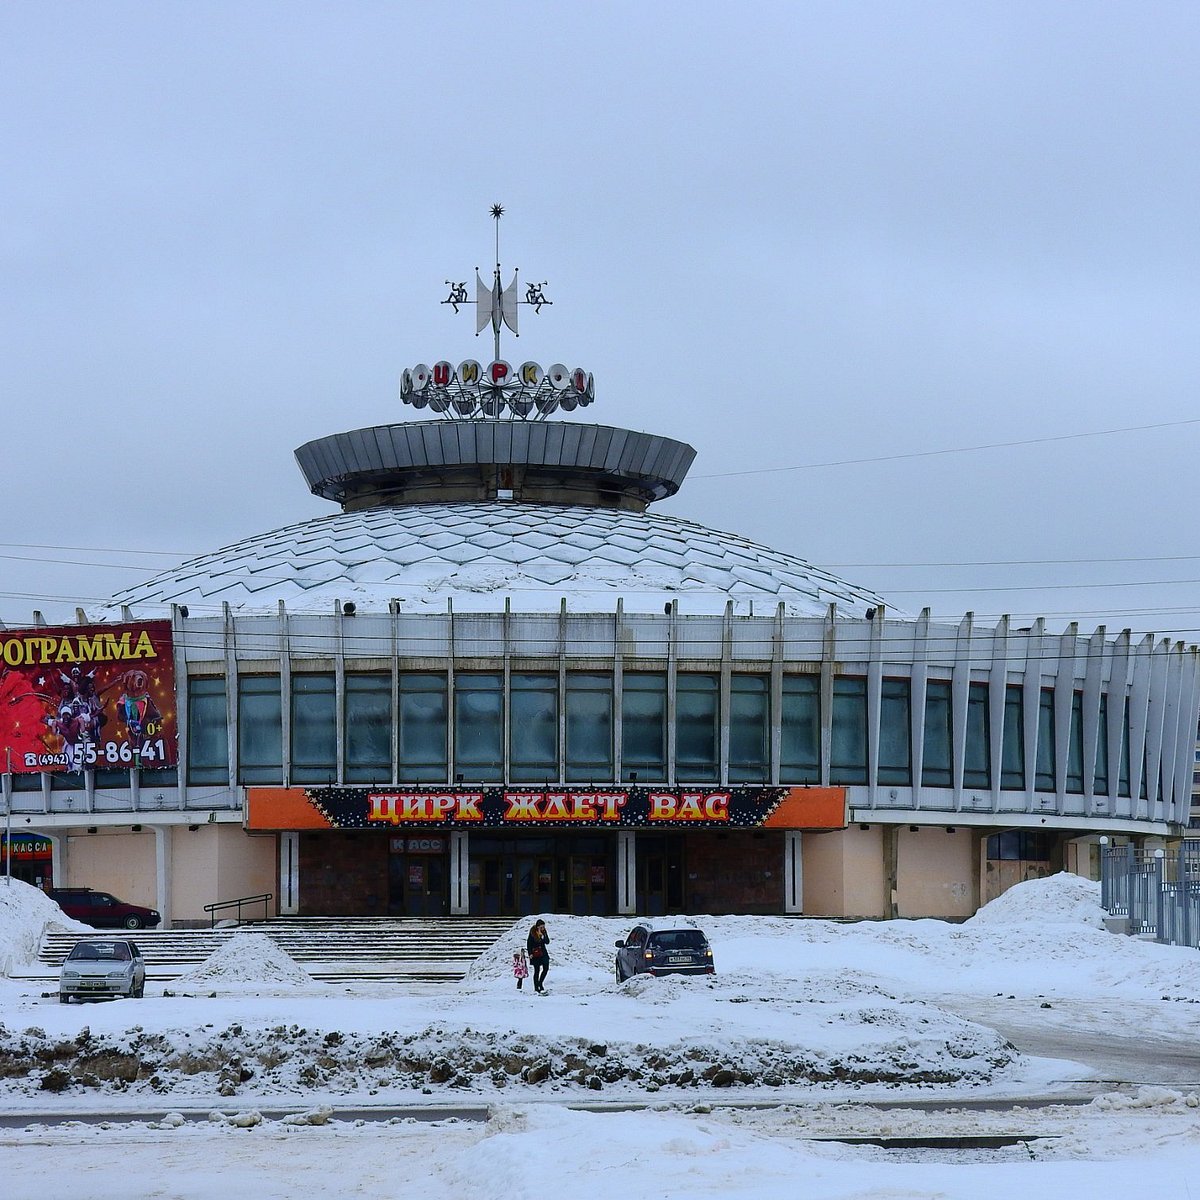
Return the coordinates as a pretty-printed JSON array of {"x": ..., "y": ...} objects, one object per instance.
[{"x": 102, "y": 910}]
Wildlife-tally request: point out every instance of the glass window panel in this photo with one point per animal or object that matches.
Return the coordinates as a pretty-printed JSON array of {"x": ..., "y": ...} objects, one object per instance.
[
  {"x": 1101, "y": 784},
  {"x": 533, "y": 728},
  {"x": 109, "y": 777},
  {"x": 749, "y": 729},
  {"x": 644, "y": 724},
  {"x": 895, "y": 733},
  {"x": 163, "y": 778},
  {"x": 479, "y": 726},
  {"x": 800, "y": 720},
  {"x": 422, "y": 728},
  {"x": 1012, "y": 767},
  {"x": 208, "y": 732},
  {"x": 1044, "y": 776},
  {"x": 977, "y": 767},
  {"x": 260, "y": 729},
  {"x": 1075, "y": 746},
  {"x": 848, "y": 745},
  {"x": 935, "y": 764},
  {"x": 368, "y": 703},
  {"x": 589, "y": 726},
  {"x": 314, "y": 729},
  {"x": 696, "y": 736}
]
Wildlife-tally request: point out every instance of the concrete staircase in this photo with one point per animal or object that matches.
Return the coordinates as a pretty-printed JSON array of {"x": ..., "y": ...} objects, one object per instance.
[{"x": 331, "y": 949}]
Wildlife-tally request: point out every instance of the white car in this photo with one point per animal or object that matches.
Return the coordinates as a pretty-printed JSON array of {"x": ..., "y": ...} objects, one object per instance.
[{"x": 99, "y": 967}]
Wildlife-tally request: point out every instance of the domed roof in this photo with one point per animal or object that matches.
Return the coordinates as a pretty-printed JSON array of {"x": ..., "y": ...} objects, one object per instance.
[{"x": 476, "y": 554}]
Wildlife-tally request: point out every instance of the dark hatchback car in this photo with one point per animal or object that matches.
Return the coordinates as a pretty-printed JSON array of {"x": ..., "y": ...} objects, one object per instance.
[
  {"x": 102, "y": 910},
  {"x": 649, "y": 950}
]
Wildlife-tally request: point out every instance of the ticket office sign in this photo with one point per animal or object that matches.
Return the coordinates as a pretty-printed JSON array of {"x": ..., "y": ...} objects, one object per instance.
[
  {"x": 498, "y": 807},
  {"x": 87, "y": 697}
]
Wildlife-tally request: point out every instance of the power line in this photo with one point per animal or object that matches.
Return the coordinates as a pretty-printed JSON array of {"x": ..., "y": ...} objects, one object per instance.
[{"x": 847, "y": 462}]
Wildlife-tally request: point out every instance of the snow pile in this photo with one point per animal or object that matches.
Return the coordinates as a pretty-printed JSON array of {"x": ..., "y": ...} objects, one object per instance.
[
  {"x": 26, "y": 913},
  {"x": 248, "y": 962},
  {"x": 1062, "y": 899}
]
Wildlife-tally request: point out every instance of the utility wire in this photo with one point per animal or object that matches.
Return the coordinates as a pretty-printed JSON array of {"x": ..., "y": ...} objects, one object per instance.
[{"x": 846, "y": 462}]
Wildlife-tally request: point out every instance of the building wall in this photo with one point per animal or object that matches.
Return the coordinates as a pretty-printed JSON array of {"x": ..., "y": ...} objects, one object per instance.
[
  {"x": 121, "y": 863},
  {"x": 843, "y": 873},
  {"x": 936, "y": 872},
  {"x": 219, "y": 862},
  {"x": 738, "y": 872},
  {"x": 343, "y": 874}
]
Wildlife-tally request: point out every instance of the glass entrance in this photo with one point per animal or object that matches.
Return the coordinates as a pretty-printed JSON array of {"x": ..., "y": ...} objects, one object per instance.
[{"x": 513, "y": 875}]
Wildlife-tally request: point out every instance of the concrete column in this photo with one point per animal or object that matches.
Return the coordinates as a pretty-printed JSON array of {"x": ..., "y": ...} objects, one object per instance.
[
  {"x": 793, "y": 872},
  {"x": 162, "y": 872},
  {"x": 289, "y": 874},
  {"x": 460, "y": 873},
  {"x": 626, "y": 872}
]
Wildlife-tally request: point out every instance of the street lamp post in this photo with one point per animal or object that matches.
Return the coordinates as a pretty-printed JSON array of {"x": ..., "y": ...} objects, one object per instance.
[{"x": 8, "y": 818}]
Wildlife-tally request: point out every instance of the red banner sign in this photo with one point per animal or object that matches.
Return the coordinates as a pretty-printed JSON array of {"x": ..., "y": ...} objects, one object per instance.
[
  {"x": 493, "y": 807},
  {"x": 87, "y": 697}
]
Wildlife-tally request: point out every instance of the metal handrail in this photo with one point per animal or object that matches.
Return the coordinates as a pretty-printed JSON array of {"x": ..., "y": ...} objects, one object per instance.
[{"x": 213, "y": 909}]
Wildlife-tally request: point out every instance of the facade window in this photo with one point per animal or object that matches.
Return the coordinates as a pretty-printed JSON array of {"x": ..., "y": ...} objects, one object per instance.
[
  {"x": 936, "y": 760},
  {"x": 1101, "y": 785},
  {"x": 208, "y": 733},
  {"x": 977, "y": 764},
  {"x": 110, "y": 777},
  {"x": 1045, "y": 771},
  {"x": 1019, "y": 845},
  {"x": 848, "y": 743},
  {"x": 162, "y": 777},
  {"x": 479, "y": 726},
  {"x": 368, "y": 718},
  {"x": 314, "y": 729},
  {"x": 749, "y": 729},
  {"x": 28, "y": 781},
  {"x": 421, "y": 728},
  {"x": 589, "y": 702},
  {"x": 1075, "y": 746},
  {"x": 697, "y": 700},
  {"x": 895, "y": 733},
  {"x": 260, "y": 729},
  {"x": 644, "y": 724},
  {"x": 533, "y": 728},
  {"x": 800, "y": 729},
  {"x": 1012, "y": 762}
]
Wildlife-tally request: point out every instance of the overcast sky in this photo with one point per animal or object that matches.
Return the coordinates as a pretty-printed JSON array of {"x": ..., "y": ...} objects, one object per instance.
[{"x": 790, "y": 234}]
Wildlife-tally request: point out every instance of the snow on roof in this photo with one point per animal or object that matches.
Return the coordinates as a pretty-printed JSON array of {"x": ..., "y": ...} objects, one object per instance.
[{"x": 476, "y": 554}]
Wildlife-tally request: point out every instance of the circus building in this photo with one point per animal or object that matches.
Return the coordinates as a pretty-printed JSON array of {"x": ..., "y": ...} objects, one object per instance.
[{"x": 495, "y": 682}]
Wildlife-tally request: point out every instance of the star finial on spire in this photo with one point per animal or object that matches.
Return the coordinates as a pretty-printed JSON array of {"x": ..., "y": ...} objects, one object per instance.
[{"x": 497, "y": 211}]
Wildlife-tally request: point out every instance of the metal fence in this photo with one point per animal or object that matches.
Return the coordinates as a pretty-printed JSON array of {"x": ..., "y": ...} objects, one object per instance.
[{"x": 1157, "y": 891}]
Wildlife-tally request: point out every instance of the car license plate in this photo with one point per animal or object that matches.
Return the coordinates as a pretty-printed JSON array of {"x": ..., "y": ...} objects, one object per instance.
[
  {"x": 92, "y": 983},
  {"x": 678, "y": 958}
]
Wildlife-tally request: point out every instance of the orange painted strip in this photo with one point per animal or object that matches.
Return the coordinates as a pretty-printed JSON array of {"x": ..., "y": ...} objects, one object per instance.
[
  {"x": 810, "y": 808},
  {"x": 282, "y": 808}
]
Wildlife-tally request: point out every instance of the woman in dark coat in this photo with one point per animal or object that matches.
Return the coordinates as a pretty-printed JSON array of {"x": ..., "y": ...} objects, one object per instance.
[{"x": 539, "y": 956}]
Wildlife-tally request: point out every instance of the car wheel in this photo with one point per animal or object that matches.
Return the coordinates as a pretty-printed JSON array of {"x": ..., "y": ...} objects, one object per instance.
[
  {"x": 63, "y": 998},
  {"x": 620, "y": 973},
  {"x": 132, "y": 922},
  {"x": 138, "y": 992}
]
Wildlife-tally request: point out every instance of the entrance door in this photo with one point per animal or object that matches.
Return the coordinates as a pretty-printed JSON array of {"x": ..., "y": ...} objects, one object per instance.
[
  {"x": 660, "y": 874},
  {"x": 417, "y": 884},
  {"x": 518, "y": 875}
]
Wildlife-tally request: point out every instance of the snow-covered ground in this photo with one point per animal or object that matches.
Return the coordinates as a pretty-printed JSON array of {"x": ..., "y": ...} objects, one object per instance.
[{"x": 844, "y": 1030}]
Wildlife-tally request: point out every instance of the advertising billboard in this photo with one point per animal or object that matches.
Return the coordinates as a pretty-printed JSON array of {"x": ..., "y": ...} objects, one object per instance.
[
  {"x": 497, "y": 807},
  {"x": 87, "y": 697}
]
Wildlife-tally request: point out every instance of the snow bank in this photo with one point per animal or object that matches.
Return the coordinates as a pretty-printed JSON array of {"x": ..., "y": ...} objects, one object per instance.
[
  {"x": 26, "y": 913},
  {"x": 248, "y": 962},
  {"x": 1062, "y": 899}
]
